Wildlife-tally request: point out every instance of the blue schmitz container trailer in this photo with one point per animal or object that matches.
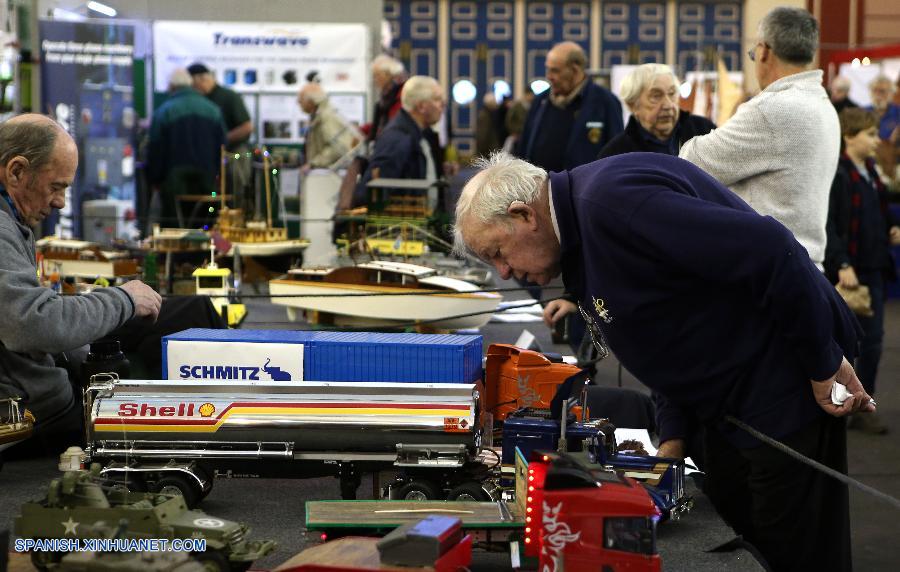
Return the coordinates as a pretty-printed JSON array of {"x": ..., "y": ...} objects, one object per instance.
[{"x": 285, "y": 356}]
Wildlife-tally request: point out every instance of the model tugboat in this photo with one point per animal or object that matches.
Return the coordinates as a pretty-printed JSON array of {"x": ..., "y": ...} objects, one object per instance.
[
  {"x": 255, "y": 238},
  {"x": 215, "y": 282}
]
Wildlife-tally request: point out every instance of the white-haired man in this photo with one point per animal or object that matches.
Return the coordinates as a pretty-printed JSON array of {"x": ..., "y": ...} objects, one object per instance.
[
  {"x": 402, "y": 151},
  {"x": 656, "y": 124},
  {"x": 329, "y": 137},
  {"x": 839, "y": 92},
  {"x": 38, "y": 161},
  {"x": 706, "y": 302},
  {"x": 388, "y": 75},
  {"x": 779, "y": 152}
]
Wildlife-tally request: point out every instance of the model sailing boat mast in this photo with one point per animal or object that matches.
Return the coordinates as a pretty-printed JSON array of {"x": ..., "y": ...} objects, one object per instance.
[
  {"x": 254, "y": 238},
  {"x": 232, "y": 224}
]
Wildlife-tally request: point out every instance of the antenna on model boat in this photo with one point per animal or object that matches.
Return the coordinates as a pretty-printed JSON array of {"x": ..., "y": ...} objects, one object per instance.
[
  {"x": 222, "y": 176},
  {"x": 266, "y": 174},
  {"x": 212, "y": 255}
]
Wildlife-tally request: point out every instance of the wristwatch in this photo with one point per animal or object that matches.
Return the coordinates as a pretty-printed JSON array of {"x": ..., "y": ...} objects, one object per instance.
[{"x": 845, "y": 265}]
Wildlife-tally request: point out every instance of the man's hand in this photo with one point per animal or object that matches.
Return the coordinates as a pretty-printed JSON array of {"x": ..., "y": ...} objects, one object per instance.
[
  {"x": 555, "y": 310},
  {"x": 673, "y": 449},
  {"x": 847, "y": 278},
  {"x": 146, "y": 300},
  {"x": 858, "y": 401}
]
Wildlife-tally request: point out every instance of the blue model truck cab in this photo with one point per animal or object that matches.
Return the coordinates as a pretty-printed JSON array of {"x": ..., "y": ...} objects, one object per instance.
[{"x": 594, "y": 442}]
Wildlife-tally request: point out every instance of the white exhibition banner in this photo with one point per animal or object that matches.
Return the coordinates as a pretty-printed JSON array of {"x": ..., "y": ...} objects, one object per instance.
[{"x": 259, "y": 57}]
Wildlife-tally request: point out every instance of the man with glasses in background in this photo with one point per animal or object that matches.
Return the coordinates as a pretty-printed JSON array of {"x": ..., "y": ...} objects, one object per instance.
[{"x": 780, "y": 150}]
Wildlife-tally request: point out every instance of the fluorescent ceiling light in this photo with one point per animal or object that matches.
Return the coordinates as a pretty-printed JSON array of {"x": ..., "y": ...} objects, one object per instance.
[
  {"x": 67, "y": 15},
  {"x": 102, "y": 8}
]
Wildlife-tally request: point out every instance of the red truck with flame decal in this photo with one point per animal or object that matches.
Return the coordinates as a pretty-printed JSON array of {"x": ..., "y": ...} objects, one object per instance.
[{"x": 580, "y": 519}]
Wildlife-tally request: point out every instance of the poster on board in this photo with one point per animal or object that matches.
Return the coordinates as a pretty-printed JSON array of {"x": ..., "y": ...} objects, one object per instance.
[
  {"x": 87, "y": 86},
  {"x": 269, "y": 62}
]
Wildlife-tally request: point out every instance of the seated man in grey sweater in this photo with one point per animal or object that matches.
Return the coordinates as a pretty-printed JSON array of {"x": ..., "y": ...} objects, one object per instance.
[
  {"x": 780, "y": 150},
  {"x": 38, "y": 160}
]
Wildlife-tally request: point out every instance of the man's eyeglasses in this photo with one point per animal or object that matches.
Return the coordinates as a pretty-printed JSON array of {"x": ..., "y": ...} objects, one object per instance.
[{"x": 751, "y": 53}]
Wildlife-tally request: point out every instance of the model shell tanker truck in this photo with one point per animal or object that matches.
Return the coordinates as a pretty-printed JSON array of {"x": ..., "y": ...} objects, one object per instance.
[
  {"x": 179, "y": 435},
  {"x": 247, "y": 403}
]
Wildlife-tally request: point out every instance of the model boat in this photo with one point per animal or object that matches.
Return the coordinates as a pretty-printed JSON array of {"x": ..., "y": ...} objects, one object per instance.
[
  {"x": 83, "y": 260},
  {"x": 215, "y": 282},
  {"x": 16, "y": 424},
  {"x": 178, "y": 239},
  {"x": 255, "y": 238},
  {"x": 441, "y": 310}
]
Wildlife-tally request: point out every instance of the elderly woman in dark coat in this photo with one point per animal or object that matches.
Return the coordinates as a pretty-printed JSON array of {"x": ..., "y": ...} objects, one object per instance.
[{"x": 656, "y": 124}]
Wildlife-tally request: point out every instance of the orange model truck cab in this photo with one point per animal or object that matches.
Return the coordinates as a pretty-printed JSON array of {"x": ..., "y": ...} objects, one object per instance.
[{"x": 515, "y": 378}]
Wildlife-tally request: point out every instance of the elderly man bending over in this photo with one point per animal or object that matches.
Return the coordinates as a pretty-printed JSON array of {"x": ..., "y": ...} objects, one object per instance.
[
  {"x": 780, "y": 150},
  {"x": 37, "y": 163},
  {"x": 710, "y": 304},
  {"x": 329, "y": 137}
]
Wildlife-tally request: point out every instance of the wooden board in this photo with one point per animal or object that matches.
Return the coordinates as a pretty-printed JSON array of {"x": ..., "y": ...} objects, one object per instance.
[
  {"x": 351, "y": 552},
  {"x": 390, "y": 514}
]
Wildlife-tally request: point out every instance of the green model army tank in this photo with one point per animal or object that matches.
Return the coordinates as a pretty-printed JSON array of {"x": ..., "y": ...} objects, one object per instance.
[{"x": 77, "y": 502}]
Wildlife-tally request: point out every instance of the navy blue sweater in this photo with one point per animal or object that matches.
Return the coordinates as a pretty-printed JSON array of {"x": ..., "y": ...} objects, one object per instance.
[{"x": 713, "y": 306}]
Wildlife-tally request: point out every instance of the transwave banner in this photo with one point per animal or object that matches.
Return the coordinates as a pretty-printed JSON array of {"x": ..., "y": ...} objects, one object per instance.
[{"x": 264, "y": 57}]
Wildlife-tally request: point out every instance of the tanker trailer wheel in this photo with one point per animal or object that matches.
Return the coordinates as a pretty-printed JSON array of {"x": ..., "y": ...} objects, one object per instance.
[
  {"x": 212, "y": 561},
  {"x": 175, "y": 484},
  {"x": 417, "y": 491},
  {"x": 204, "y": 473},
  {"x": 470, "y": 492}
]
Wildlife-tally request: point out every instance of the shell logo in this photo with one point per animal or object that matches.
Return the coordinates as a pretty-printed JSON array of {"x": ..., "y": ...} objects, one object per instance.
[{"x": 207, "y": 409}]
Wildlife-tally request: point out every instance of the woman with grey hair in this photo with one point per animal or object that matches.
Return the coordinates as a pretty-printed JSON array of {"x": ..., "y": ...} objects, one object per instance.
[{"x": 656, "y": 124}]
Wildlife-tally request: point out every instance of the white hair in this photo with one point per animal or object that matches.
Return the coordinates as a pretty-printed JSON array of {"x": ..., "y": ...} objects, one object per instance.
[
  {"x": 313, "y": 92},
  {"x": 386, "y": 63},
  {"x": 179, "y": 78},
  {"x": 417, "y": 89},
  {"x": 501, "y": 180},
  {"x": 640, "y": 79},
  {"x": 840, "y": 83},
  {"x": 882, "y": 80}
]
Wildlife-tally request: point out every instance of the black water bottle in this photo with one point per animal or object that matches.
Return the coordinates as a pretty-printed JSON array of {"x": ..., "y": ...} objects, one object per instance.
[{"x": 105, "y": 356}]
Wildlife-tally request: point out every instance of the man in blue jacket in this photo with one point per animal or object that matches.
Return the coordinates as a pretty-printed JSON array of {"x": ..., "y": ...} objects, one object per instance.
[
  {"x": 569, "y": 124},
  {"x": 715, "y": 307},
  {"x": 402, "y": 151}
]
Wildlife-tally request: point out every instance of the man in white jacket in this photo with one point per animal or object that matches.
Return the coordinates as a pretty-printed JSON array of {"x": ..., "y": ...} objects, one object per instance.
[{"x": 780, "y": 150}]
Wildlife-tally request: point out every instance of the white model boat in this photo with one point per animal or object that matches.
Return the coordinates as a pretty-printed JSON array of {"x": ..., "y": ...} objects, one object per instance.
[
  {"x": 273, "y": 248},
  {"x": 82, "y": 259},
  {"x": 386, "y": 277}
]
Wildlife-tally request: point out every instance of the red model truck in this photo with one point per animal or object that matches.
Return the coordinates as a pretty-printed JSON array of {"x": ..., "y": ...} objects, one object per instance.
[
  {"x": 566, "y": 515},
  {"x": 579, "y": 519}
]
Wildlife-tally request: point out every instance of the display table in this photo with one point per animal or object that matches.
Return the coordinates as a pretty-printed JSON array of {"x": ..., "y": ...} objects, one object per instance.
[{"x": 274, "y": 509}]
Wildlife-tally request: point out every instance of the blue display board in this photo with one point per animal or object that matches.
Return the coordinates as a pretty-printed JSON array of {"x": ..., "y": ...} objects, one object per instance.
[{"x": 87, "y": 86}]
